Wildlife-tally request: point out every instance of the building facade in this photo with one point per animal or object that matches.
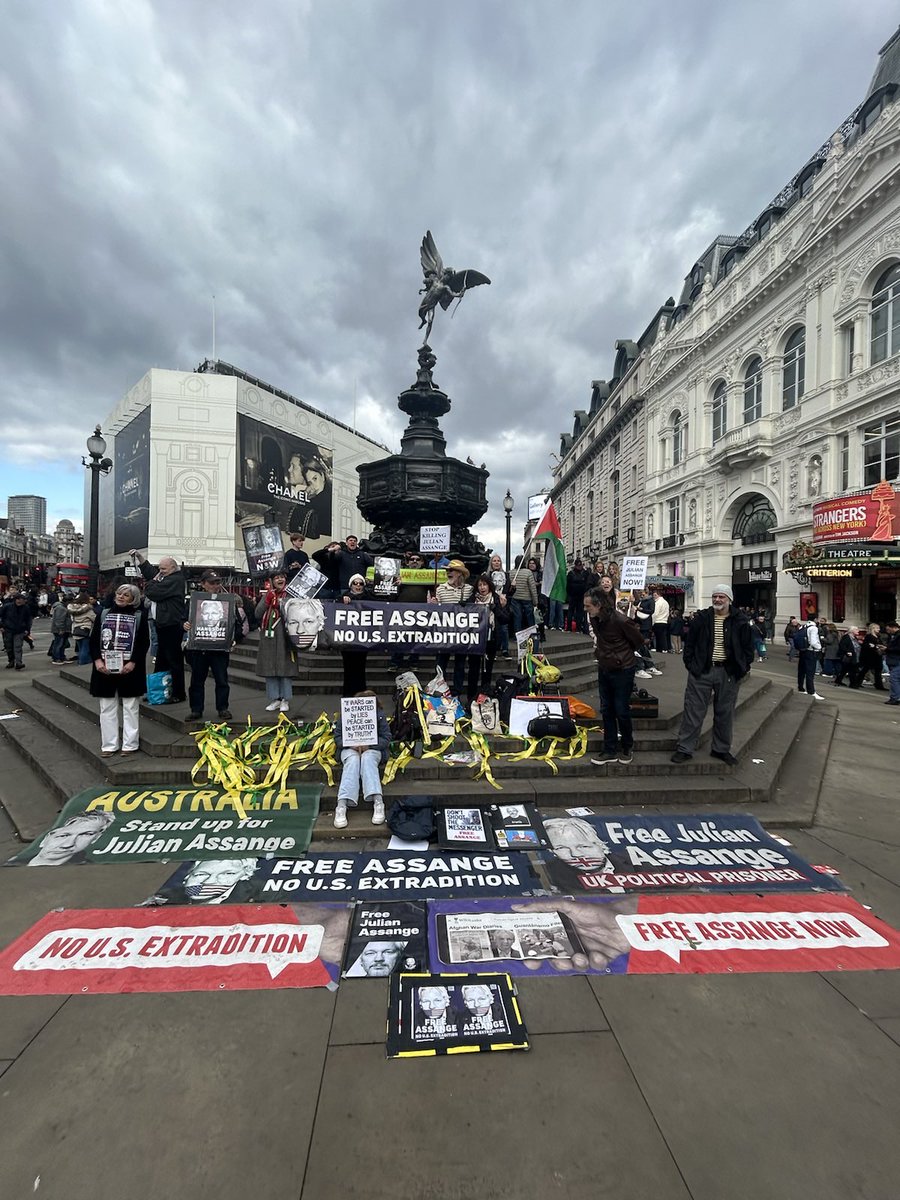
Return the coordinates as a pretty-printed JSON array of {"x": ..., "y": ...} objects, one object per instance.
[
  {"x": 773, "y": 387},
  {"x": 69, "y": 542},
  {"x": 200, "y": 456},
  {"x": 28, "y": 513}
]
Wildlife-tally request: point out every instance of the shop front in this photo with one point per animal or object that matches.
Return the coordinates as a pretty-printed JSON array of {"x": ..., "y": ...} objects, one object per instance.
[
  {"x": 754, "y": 580},
  {"x": 675, "y": 588}
]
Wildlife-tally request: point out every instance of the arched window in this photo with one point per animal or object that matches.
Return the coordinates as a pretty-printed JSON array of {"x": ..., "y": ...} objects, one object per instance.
[
  {"x": 886, "y": 315},
  {"x": 754, "y": 521},
  {"x": 678, "y": 438},
  {"x": 720, "y": 411},
  {"x": 753, "y": 390},
  {"x": 794, "y": 371}
]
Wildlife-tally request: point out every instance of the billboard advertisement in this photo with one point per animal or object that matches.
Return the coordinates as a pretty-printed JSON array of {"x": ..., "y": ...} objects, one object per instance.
[
  {"x": 285, "y": 474},
  {"x": 867, "y": 517},
  {"x": 131, "y": 504}
]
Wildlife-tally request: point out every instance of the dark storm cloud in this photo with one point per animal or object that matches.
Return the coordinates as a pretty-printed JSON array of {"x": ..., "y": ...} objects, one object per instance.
[{"x": 289, "y": 157}]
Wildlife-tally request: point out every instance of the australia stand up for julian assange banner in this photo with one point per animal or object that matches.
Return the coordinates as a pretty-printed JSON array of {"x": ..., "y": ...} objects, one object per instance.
[
  {"x": 652, "y": 854},
  {"x": 382, "y": 876},
  {"x": 222, "y": 949},
  {"x": 104, "y": 825},
  {"x": 658, "y": 935},
  {"x": 369, "y": 625}
]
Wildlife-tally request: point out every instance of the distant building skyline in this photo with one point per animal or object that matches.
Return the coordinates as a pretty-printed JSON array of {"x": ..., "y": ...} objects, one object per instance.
[{"x": 28, "y": 513}]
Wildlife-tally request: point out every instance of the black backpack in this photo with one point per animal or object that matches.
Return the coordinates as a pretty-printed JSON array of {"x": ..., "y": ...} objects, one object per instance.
[
  {"x": 506, "y": 688},
  {"x": 404, "y": 723},
  {"x": 411, "y": 818},
  {"x": 801, "y": 638}
]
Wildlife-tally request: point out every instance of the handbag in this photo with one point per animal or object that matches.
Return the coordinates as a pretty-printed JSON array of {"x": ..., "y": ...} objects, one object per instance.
[
  {"x": 558, "y": 727},
  {"x": 485, "y": 716},
  {"x": 159, "y": 687}
]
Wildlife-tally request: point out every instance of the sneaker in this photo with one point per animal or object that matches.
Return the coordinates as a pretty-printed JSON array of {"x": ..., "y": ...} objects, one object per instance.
[
  {"x": 892, "y": 701},
  {"x": 284, "y": 706},
  {"x": 223, "y": 714},
  {"x": 816, "y": 696},
  {"x": 340, "y": 817},
  {"x": 625, "y": 757},
  {"x": 726, "y": 756},
  {"x": 378, "y": 811},
  {"x": 655, "y": 671},
  {"x": 642, "y": 675},
  {"x": 274, "y": 706},
  {"x": 680, "y": 756},
  {"x": 604, "y": 759},
  {"x": 20, "y": 666}
]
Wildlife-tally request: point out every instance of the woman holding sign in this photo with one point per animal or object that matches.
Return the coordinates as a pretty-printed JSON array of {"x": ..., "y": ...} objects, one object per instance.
[
  {"x": 276, "y": 659},
  {"x": 119, "y": 640}
]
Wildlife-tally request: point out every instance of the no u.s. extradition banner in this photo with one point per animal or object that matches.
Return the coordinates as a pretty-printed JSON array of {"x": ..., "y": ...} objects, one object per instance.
[
  {"x": 231, "y": 947},
  {"x": 106, "y": 825},
  {"x": 383, "y": 875},
  {"x": 371, "y": 625}
]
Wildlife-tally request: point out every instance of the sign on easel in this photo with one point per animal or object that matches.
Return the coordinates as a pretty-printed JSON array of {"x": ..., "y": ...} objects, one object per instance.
[
  {"x": 359, "y": 721},
  {"x": 634, "y": 572},
  {"x": 434, "y": 539}
]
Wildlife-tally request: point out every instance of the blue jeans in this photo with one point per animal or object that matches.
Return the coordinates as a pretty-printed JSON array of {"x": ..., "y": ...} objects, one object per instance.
[
  {"x": 615, "y": 689},
  {"x": 358, "y": 765},
  {"x": 522, "y": 617},
  {"x": 278, "y": 687},
  {"x": 83, "y": 646},
  {"x": 895, "y": 681},
  {"x": 58, "y": 648},
  {"x": 554, "y": 614},
  {"x": 204, "y": 663}
]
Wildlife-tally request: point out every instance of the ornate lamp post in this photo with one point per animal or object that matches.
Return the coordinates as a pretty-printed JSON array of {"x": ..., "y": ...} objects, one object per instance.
[
  {"x": 508, "y": 508},
  {"x": 98, "y": 465}
]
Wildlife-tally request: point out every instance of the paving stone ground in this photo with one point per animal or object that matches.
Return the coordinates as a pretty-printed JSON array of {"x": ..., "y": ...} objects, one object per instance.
[{"x": 741, "y": 1087}]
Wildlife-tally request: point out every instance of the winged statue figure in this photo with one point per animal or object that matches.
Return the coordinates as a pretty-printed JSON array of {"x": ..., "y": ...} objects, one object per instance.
[{"x": 443, "y": 284}]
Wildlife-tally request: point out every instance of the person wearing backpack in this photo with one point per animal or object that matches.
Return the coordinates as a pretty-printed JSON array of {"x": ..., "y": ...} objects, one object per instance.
[{"x": 807, "y": 645}]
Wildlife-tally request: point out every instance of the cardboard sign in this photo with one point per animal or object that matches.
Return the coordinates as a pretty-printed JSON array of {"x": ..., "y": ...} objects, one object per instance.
[
  {"x": 384, "y": 875},
  {"x": 434, "y": 539},
  {"x": 655, "y": 935},
  {"x": 634, "y": 572},
  {"x": 453, "y": 1014},
  {"x": 650, "y": 854},
  {"x": 307, "y": 582},
  {"x": 523, "y": 709},
  {"x": 386, "y": 938},
  {"x": 359, "y": 721},
  {"x": 463, "y": 827},
  {"x": 233, "y": 947},
  {"x": 211, "y": 618},
  {"x": 263, "y": 547},
  {"x": 105, "y": 825},
  {"x": 387, "y": 576}
]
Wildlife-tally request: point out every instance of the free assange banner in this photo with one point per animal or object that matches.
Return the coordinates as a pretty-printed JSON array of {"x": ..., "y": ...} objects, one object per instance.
[
  {"x": 719, "y": 853},
  {"x": 659, "y": 935},
  {"x": 105, "y": 825},
  {"x": 383, "y": 876},
  {"x": 372, "y": 625},
  {"x": 233, "y": 947}
]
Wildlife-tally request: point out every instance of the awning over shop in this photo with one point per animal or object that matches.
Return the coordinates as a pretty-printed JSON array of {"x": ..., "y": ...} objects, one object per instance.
[{"x": 677, "y": 583}]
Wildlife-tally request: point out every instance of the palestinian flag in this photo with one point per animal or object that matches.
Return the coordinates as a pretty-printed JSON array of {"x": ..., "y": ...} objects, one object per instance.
[{"x": 553, "y": 584}]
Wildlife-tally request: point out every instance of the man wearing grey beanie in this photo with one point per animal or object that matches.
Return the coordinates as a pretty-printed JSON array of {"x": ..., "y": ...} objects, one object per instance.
[{"x": 718, "y": 651}]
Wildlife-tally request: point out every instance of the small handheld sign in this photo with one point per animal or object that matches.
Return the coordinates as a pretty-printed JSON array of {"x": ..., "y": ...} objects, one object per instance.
[
  {"x": 434, "y": 539},
  {"x": 359, "y": 721},
  {"x": 634, "y": 572}
]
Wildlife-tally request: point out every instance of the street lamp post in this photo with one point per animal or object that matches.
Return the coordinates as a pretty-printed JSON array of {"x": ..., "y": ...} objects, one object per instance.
[
  {"x": 508, "y": 508},
  {"x": 98, "y": 465}
]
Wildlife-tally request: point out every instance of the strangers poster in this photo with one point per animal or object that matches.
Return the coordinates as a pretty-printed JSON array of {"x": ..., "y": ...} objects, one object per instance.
[
  {"x": 231, "y": 948},
  {"x": 719, "y": 853},
  {"x": 211, "y": 617},
  {"x": 284, "y": 474},
  {"x": 131, "y": 495},
  {"x": 102, "y": 825}
]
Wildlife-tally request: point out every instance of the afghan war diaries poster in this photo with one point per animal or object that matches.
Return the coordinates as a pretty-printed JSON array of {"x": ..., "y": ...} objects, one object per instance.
[
  {"x": 657, "y": 935},
  {"x": 381, "y": 876},
  {"x": 211, "y": 619},
  {"x": 263, "y": 547},
  {"x": 372, "y": 625},
  {"x": 149, "y": 825},
  {"x": 386, "y": 938},
  {"x": 232, "y": 948},
  {"x": 131, "y": 503},
  {"x": 453, "y": 1014},
  {"x": 284, "y": 474},
  {"x": 650, "y": 854}
]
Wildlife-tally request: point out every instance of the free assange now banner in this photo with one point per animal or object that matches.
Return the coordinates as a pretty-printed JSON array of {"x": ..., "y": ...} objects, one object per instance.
[
  {"x": 659, "y": 935},
  {"x": 313, "y": 624},
  {"x": 232, "y": 947},
  {"x": 107, "y": 825}
]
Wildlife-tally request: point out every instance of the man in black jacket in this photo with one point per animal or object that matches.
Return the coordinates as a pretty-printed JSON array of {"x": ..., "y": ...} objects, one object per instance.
[
  {"x": 892, "y": 659},
  {"x": 166, "y": 587},
  {"x": 15, "y": 620},
  {"x": 718, "y": 651}
]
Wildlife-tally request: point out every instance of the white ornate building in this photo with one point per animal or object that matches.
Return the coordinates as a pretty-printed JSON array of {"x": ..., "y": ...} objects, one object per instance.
[{"x": 774, "y": 383}]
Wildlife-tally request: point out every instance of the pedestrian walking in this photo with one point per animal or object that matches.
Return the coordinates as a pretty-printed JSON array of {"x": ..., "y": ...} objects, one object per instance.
[
  {"x": 276, "y": 658},
  {"x": 870, "y": 660},
  {"x": 718, "y": 653},
  {"x": 15, "y": 621},
  {"x": 830, "y": 655},
  {"x": 892, "y": 659},
  {"x": 848, "y": 658},
  {"x": 660, "y": 618},
  {"x": 119, "y": 642},
  {"x": 81, "y": 610},
  {"x": 60, "y": 628}
]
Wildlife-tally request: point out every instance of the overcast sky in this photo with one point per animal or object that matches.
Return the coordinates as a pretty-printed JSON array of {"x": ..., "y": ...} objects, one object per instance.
[{"x": 290, "y": 155}]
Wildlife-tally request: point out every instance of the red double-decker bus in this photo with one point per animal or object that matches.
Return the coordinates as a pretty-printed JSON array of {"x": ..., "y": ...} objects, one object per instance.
[{"x": 72, "y": 577}]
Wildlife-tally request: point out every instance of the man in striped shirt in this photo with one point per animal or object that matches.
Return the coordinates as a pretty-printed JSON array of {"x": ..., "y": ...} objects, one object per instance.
[{"x": 718, "y": 651}]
